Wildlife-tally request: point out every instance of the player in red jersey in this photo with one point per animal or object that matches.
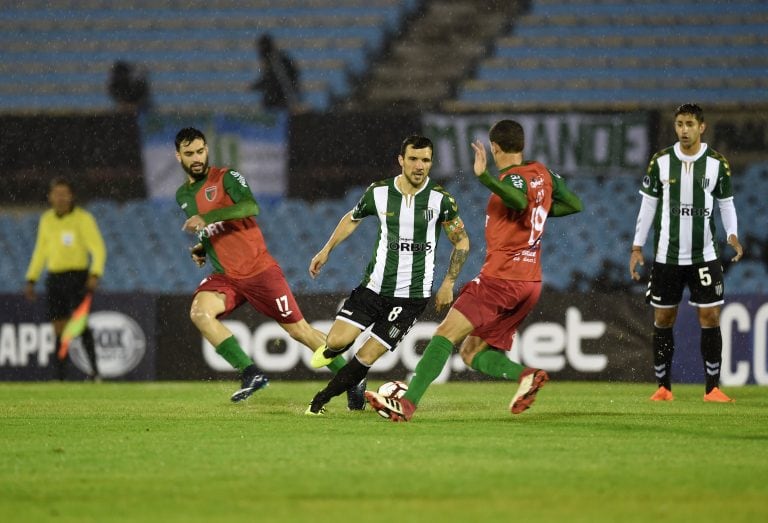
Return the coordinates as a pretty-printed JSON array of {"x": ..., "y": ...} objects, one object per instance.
[
  {"x": 221, "y": 211},
  {"x": 485, "y": 316}
]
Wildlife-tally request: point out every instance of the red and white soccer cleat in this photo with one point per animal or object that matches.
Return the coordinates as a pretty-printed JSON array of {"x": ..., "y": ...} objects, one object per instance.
[{"x": 531, "y": 380}]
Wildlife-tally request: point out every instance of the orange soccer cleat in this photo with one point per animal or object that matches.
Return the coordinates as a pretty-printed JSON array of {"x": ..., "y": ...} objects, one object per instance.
[
  {"x": 662, "y": 394},
  {"x": 717, "y": 396}
]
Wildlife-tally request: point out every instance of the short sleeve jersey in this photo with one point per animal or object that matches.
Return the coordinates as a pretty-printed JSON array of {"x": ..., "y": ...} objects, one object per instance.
[
  {"x": 233, "y": 247},
  {"x": 686, "y": 188},
  {"x": 403, "y": 261},
  {"x": 513, "y": 238}
]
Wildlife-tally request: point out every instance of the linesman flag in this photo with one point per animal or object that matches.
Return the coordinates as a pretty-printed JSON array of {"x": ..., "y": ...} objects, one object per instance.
[{"x": 76, "y": 325}]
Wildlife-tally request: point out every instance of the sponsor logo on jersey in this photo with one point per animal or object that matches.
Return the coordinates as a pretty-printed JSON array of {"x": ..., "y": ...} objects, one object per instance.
[
  {"x": 689, "y": 210},
  {"x": 517, "y": 181},
  {"x": 184, "y": 205},
  {"x": 210, "y": 193},
  {"x": 239, "y": 177},
  {"x": 211, "y": 230},
  {"x": 406, "y": 245}
]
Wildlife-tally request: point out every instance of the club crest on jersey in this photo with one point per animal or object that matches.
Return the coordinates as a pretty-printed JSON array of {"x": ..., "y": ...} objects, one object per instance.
[
  {"x": 704, "y": 183},
  {"x": 210, "y": 193},
  {"x": 393, "y": 332},
  {"x": 429, "y": 214},
  {"x": 719, "y": 289}
]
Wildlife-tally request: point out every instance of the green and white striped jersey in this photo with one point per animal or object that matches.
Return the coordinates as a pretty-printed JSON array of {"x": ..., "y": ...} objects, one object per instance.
[
  {"x": 403, "y": 261},
  {"x": 686, "y": 188}
]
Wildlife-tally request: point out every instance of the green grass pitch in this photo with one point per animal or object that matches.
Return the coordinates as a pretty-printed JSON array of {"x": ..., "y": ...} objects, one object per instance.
[{"x": 180, "y": 452}]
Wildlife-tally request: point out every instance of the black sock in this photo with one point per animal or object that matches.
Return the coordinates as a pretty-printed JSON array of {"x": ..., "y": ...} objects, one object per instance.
[
  {"x": 351, "y": 374},
  {"x": 712, "y": 354},
  {"x": 663, "y": 350},
  {"x": 332, "y": 353},
  {"x": 90, "y": 350},
  {"x": 250, "y": 371}
]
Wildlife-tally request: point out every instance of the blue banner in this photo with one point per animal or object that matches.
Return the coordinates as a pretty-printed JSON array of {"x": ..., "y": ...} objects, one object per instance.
[{"x": 743, "y": 322}]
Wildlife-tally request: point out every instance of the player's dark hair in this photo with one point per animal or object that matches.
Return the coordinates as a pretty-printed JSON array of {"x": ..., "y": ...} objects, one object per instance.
[
  {"x": 693, "y": 109},
  {"x": 60, "y": 180},
  {"x": 188, "y": 135},
  {"x": 417, "y": 142},
  {"x": 508, "y": 135}
]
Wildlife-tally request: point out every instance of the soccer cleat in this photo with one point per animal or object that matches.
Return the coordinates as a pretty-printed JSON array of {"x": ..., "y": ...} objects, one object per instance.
[
  {"x": 356, "y": 396},
  {"x": 717, "y": 396},
  {"x": 662, "y": 394},
  {"x": 531, "y": 380},
  {"x": 319, "y": 360},
  {"x": 318, "y": 412},
  {"x": 390, "y": 408},
  {"x": 251, "y": 383}
]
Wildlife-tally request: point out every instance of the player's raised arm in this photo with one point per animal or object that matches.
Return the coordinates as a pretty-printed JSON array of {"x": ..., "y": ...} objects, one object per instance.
[{"x": 513, "y": 197}]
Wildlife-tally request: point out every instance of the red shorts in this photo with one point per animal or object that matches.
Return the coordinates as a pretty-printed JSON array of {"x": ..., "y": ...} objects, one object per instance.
[
  {"x": 497, "y": 307},
  {"x": 267, "y": 292}
]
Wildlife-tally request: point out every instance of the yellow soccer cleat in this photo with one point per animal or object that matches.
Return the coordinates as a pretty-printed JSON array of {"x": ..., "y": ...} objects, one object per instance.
[{"x": 319, "y": 360}]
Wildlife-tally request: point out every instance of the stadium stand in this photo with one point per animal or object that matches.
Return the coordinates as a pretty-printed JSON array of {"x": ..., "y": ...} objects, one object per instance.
[
  {"x": 590, "y": 54},
  {"x": 579, "y": 54},
  {"x": 587, "y": 253},
  {"x": 57, "y": 56}
]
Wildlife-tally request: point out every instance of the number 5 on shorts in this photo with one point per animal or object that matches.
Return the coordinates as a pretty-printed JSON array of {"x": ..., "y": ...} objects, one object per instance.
[{"x": 704, "y": 277}]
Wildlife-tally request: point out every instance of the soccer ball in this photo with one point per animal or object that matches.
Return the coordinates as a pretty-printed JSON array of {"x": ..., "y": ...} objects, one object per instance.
[{"x": 393, "y": 389}]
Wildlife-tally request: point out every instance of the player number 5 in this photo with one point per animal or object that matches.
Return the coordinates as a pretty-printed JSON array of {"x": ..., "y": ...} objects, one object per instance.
[{"x": 704, "y": 277}]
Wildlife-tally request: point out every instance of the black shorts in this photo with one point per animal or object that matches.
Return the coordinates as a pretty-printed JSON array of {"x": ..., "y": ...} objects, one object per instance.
[
  {"x": 65, "y": 292},
  {"x": 704, "y": 281},
  {"x": 391, "y": 318}
]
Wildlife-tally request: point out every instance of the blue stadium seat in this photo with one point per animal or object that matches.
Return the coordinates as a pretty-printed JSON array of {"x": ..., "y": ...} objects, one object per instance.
[
  {"x": 148, "y": 252},
  {"x": 590, "y": 54},
  {"x": 59, "y": 58}
]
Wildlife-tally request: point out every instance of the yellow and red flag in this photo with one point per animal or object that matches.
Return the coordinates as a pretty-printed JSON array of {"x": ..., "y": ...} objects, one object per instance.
[{"x": 76, "y": 325}]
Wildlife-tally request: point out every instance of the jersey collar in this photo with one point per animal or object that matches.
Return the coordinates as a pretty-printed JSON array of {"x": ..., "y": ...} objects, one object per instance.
[{"x": 687, "y": 158}]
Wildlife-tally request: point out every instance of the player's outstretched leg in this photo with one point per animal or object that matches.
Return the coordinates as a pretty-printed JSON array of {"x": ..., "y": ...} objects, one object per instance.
[
  {"x": 253, "y": 380},
  {"x": 531, "y": 380}
]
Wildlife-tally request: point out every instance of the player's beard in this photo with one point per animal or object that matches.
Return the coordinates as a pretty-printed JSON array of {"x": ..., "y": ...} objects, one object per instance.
[{"x": 197, "y": 175}]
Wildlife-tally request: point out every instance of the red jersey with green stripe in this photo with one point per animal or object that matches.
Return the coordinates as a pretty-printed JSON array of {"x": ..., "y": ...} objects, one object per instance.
[
  {"x": 233, "y": 247},
  {"x": 513, "y": 238}
]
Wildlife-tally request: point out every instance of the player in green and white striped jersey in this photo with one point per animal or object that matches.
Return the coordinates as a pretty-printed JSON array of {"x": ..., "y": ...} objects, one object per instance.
[
  {"x": 679, "y": 193},
  {"x": 397, "y": 283}
]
